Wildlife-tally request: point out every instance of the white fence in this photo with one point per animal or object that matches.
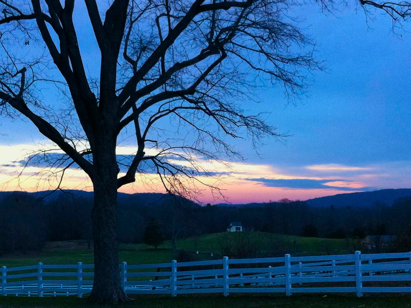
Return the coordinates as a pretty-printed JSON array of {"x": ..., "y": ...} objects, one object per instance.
[{"x": 353, "y": 273}]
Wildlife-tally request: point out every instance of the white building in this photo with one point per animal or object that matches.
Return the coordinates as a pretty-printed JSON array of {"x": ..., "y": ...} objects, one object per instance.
[{"x": 235, "y": 227}]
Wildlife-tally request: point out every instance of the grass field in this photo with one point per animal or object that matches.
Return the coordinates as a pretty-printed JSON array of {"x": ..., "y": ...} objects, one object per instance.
[
  {"x": 232, "y": 301},
  {"x": 304, "y": 245},
  {"x": 72, "y": 252},
  {"x": 85, "y": 256}
]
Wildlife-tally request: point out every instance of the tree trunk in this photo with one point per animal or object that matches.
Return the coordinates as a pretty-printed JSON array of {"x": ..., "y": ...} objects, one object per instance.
[{"x": 107, "y": 287}]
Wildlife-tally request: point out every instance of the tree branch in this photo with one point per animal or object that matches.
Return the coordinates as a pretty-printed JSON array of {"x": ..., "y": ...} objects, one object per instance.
[{"x": 48, "y": 131}]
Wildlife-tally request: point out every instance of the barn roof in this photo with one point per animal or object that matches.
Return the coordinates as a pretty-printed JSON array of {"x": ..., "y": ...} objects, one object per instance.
[{"x": 235, "y": 224}]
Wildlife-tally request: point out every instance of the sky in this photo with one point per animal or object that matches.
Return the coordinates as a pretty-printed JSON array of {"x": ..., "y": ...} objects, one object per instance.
[{"x": 350, "y": 132}]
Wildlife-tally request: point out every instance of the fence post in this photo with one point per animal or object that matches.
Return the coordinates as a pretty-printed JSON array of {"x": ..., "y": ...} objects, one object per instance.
[
  {"x": 333, "y": 265},
  {"x": 40, "y": 280},
  {"x": 225, "y": 276},
  {"x": 300, "y": 273},
  {"x": 3, "y": 280},
  {"x": 409, "y": 262},
  {"x": 123, "y": 275},
  {"x": 358, "y": 273},
  {"x": 287, "y": 265},
  {"x": 79, "y": 279},
  {"x": 270, "y": 275},
  {"x": 174, "y": 278},
  {"x": 370, "y": 271}
]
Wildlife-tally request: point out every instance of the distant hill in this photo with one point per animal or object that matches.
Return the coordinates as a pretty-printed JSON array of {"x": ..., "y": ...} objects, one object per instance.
[
  {"x": 357, "y": 199},
  {"x": 361, "y": 199},
  {"x": 254, "y": 204},
  {"x": 139, "y": 199}
]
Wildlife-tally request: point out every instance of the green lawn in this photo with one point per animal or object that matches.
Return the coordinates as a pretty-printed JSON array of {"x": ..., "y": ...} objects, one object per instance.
[
  {"x": 304, "y": 245},
  {"x": 232, "y": 301},
  {"x": 86, "y": 256},
  {"x": 72, "y": 252}
]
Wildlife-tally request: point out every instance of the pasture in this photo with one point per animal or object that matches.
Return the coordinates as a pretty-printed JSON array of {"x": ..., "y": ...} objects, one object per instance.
[
  {"x": 71, "y": 252},
  {"x": 262, "y": 240}
]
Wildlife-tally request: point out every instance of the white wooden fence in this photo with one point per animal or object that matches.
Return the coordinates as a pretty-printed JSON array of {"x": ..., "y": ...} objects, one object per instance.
[{"x": 352, "y": 273}]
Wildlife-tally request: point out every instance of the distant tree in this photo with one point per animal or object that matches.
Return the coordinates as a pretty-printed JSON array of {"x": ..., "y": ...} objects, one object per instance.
[
  {"x": 69, "y": 218},
  {"x": 23, "y": 225},
  {"x": 152, "y": 234},
  {"x": 378, "y": 213},
  {"x": 285, "y": 200},
  {"x": 403, "y": 240},
  {"x": 130, "y": 227},
  {"x": 339, "y": 233},
  {"x": 358, "y": 233},
  {"x": 331, "y": 219},
  {"x": 399, "y": 216},
  {"x": 178, "y": 219},
  {"x": 310, "y": 231},
  {"x": 381, "y": 229}
]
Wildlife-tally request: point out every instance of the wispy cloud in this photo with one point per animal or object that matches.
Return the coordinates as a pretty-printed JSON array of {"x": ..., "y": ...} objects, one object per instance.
[
  {"x": 344, "y": 184},
  {"x": 336, "y": 167},
  {"x": 312, "y": 184}
]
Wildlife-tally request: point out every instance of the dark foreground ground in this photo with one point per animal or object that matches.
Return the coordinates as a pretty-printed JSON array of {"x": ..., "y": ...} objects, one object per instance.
[{"x": 234, "y": 301}]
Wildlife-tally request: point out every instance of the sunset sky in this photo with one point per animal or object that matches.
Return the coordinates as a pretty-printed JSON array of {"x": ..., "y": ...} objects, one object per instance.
[{"x": 350, "y": 132}]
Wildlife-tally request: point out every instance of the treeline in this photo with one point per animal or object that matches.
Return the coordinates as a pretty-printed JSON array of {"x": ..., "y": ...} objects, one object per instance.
[
  {"x": 297, "y": 218},
  {"x": 27, "y": 222}
]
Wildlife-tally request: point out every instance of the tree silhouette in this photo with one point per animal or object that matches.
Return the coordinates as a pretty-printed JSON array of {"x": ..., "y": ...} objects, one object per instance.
[
  {"x": 152, "y": 234},
  {"x": 193, "y": 62}
]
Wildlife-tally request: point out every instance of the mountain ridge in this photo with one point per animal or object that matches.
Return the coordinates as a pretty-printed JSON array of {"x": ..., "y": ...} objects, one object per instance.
[
  {"x": 361, "y": 199},
  {"x": 355, "y": 199},
  {"x": 141, "y": 199}
]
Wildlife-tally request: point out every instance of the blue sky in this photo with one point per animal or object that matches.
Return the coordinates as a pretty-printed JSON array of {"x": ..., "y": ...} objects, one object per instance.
[
  {"x": 352, "y": 128},
  {"x": 358, "y": 111}
]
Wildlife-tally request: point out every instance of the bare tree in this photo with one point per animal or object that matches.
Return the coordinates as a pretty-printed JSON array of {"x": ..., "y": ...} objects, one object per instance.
[{"x": 189, "y": 61}]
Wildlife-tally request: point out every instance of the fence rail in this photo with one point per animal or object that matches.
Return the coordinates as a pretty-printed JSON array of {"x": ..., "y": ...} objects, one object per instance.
[{"x": 352, "y": 273}]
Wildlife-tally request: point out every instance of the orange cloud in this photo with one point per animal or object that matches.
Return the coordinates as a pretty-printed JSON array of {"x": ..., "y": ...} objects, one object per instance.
[{"x": 344, "y": 184}]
